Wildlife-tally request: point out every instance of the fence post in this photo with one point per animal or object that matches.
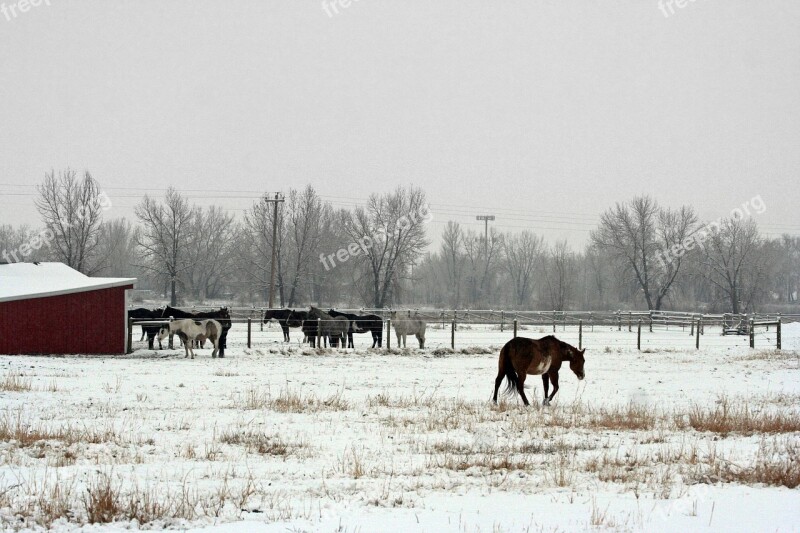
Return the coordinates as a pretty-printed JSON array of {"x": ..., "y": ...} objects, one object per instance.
[
  {"x": 319, "y": 333},
  {"x": 580, "y": 333},
  {"x": 249, "y": 331},
  {"x": 639, "y": 335},
  {"x": 619, "y": 320},
  {"x": 502, "y": 320},
  {"x": 779, "y": 332},
  {"x": 630, "y": 318},
  {"x": 691, "y": 333},
  {"x": 515, "y": 328},
  {"x": 697, "y": 337},
  {"x": 129, "y": 347},
  {"x": 752, "y": 333},
  {"x": 651, "y": 322},
  {"x": 453, "y": 335},
  {"x": 591, "y": 320},
  {"x": 554, "y": 321},
  {"x": 389, "y": 332}
]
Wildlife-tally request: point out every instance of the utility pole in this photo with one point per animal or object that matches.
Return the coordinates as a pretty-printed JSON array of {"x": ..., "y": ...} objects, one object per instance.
[
  {"x": 486, "y": 219},
  {"x": 278, "y": 199}
]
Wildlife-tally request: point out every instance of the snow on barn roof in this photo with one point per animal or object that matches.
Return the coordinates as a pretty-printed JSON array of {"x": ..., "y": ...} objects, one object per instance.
[{"x": 20, "y": 281}]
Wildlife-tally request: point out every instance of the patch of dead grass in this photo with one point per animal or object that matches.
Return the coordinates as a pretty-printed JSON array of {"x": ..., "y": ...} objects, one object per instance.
[
  {"x": 738, "y": 416},
  {"x": 16, "y": 382}
]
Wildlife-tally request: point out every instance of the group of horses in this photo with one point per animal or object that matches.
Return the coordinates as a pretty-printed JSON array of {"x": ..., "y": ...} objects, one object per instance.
[
  {"x": 158, "y": 330},
  {"x": 335, "y": 328},
  {"x": 519, "y": 357}
]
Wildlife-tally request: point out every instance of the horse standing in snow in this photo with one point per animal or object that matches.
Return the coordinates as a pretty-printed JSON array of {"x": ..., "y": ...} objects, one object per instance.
[
  {"x": 408, "y": 326},
  {"x": 331, "y": 327},
  {"x": 286, "y": 318},
  {"x": 522, "y": 356},
  {"x": 191, "y": 331}
]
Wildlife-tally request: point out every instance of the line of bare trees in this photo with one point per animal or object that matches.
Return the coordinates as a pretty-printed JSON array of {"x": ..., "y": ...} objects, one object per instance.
[
  {"x": 732, "y": 268},
  {"x": 185, "y": 252}
]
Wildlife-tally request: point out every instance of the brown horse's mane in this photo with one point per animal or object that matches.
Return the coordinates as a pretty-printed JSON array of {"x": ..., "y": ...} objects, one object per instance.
[{"x": 562, "y": 353}]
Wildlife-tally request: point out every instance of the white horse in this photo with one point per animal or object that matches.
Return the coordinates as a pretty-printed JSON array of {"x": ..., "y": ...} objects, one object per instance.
[
  {"x": 191, "y": 331},
  {"x": 408, "y": 326}
]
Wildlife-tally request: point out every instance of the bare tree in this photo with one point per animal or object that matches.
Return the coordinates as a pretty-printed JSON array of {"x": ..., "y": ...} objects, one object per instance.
[
  {"x": 306, "y": 218},
  {"x": 732, "y": 261},
  {"x": 118, "y": 247},
  {"x": 387, "y": 237},
  {"x": 523, "y": 256},
  {"x": 452, "y": 254},
  {"x": 164, "y": 237},
  {"x": 787, "y": 279},
  {"x": 208, "y": 253},
  {"x": 560, "y": 275},
  {"x": 640, "y": 236},
  {"x": 71, "y": 210},
  {"x": 21, "y": 244},
  {"x": 483, "y": 262}
]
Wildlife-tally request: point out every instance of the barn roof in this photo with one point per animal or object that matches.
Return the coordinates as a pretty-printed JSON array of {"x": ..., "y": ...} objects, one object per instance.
[{"x": 21, "y": 281}]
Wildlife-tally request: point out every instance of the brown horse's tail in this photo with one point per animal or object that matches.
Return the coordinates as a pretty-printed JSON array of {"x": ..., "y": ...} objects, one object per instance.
[{"x": 507, "y": 368}]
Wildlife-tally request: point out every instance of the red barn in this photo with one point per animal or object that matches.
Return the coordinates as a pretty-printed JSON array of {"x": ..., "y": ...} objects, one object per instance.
[{"x": 49, "y": 308}]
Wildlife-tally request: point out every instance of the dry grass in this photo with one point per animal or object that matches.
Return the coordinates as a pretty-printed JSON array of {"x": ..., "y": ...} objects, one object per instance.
[
  {"x": 259, "y": 443},
  {"x": 739, "y": 417},
  {"x": 770, "y": 355},
  {"x": 632, "y": 417},
  {"x": 483, "y": 461},
  {"x": 16, "y": 382},
  {"x": 601, "y": 518},
  {"x": 777, "y": 463},
  {"x": 288, "y": 401},
  {"x": 104, "y": 501},
  {"x": 25, "y": 433}
]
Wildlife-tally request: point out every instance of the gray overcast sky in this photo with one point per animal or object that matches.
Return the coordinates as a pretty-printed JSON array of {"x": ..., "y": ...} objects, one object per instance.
[{"x": 543, "y": 113}]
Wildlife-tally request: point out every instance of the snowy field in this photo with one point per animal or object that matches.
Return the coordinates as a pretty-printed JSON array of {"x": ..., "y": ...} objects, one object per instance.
[{"x": 286, "y": 438}]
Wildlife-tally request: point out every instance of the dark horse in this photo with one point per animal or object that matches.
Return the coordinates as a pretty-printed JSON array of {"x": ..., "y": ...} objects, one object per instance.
[
  {"x": 223, "y": 316},
  {"x": 151, "y": 330},
  {"x": 522, "y": 356},
  {"x": 320, "y": 325},
  {"x": 362, "y": 324},
  {"x": 286, "y": 318}
]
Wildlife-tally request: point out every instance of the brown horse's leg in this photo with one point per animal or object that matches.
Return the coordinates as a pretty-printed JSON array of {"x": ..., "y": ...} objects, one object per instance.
[
  {"x": 554, "y": 379},
  {"x": 546, "y": 384},
  {"x": 501, "y": 373},
  {"x": 521, "y": 387}
]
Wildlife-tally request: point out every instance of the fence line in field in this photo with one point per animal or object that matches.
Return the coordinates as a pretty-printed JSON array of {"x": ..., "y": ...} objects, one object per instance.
[{"x": 655, "y": 325}]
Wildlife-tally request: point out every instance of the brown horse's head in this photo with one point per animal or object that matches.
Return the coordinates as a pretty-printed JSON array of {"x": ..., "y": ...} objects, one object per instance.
[{"x": 576, "y": 361}]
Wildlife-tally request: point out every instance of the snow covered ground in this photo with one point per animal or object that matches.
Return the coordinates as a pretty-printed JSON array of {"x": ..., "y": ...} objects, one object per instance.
[{"x": 286, "y": 438}]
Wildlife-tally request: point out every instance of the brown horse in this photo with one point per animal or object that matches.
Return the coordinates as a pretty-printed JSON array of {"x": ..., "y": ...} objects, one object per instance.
[{"x": 522, "y": 356}]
